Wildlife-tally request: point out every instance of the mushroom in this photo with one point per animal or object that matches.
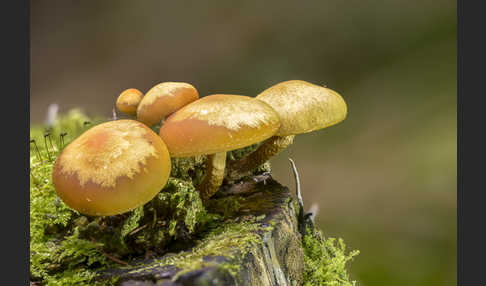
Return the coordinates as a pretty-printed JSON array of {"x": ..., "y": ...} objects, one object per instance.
[
  {"x": 112, "y": 168},
  {"x": 129, "y": 100},
  {"x": 214, "y": 125},
  {"x": 302, "y": 107},
  {"x": 163, "y": 99}
]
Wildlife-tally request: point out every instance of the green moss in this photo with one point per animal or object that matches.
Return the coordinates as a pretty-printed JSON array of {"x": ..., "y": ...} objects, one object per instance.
[
  {"x": 56, "y": 248},
  {"x": 325, "y": 260},
  {"x": 226, "y": 206},
  {"x": 239, "y": 235},
  {"x": 181, "y": 203},
  {"x": 77, "y": 277},
  {"x": 176, "y": 213},
  {"x": 189, "y": 169},
  {"x": 132, "y": 222}
]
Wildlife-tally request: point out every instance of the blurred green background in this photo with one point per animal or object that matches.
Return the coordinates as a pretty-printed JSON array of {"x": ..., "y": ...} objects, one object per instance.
[{"x": 384, "y": 179}]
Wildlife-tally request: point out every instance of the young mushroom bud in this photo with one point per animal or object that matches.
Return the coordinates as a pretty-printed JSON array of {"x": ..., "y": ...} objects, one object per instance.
[
  {"x": 129, "y": 100},
  {"x": 164, "y": 99},
  {"x": 112, "y": 168},
  {"x": 302, "y": 107},
  {"x": 214, "y": 125}
]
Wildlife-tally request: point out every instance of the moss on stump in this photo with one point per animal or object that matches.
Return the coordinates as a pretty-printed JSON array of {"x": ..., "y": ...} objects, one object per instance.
[
  {"x": 248, "y": 234},
  {"x": 258, "y": 244}
]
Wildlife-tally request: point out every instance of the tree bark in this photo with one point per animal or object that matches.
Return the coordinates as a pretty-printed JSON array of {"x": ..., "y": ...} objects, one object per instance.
[{"x": 277, "y": 260}]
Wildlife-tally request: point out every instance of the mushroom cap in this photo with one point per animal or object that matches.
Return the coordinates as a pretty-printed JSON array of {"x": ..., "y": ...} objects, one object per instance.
[
  {"x": 218, "y": 123},
  {"x": 112, "y": 168},
  {"x": 164, "y": 99},
  {"x": 129, "y": 100},
  {"x": 304, "y": 107}
]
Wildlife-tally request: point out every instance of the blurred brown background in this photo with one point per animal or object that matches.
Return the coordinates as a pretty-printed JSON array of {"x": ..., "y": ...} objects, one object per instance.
[{"x": 384, "y": 179}]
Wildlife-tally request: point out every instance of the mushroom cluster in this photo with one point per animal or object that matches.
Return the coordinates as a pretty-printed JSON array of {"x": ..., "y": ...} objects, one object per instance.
[
  {"x": 302, "y": 108},
  {"x": 214, "y": 125},
  {"x": 119, "y": 165}
]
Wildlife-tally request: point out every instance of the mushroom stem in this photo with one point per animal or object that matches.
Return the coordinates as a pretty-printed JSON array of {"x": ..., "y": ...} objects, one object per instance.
[
  {"x": 268, "y": 149},
  {"x": 213, "y": 179}
]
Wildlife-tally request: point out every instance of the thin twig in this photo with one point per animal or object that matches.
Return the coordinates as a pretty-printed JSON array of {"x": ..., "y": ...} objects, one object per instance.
[
  {"x": 62, "y": 139},
  {"x": 37, "y": 149},
  {"x": 301, "y": 216},
  {"x": 155, "y": 218},
  {"x": 50, "y": 141},
  {"x": 297, "y": 183},
  {"x": 33, "y": 178},
  {"x": 47, "y": 148},
  {"x": 109, "y": 256},
  {"x": 138, "y": 229}
]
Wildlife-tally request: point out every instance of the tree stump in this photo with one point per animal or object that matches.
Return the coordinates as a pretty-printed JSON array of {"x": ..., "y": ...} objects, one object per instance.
[{"x": 274, "y": 257}]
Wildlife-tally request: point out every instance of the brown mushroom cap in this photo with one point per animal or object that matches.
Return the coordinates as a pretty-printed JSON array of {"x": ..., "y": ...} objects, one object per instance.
[
  {"x": 304, "y": 107},
  {"x": 112, "y": 168},
  {"x": 164, "y": 99},
  {"x": 129, "y": 100},
  {"x": 218, "y": 123}
]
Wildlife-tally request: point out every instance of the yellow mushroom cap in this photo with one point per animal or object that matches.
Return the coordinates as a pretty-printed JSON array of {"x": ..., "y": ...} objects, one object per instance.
[
  {"x": 112, "y": 168},
  {"x": 304, "y": 107},
  {"x": 129, "y": 100},
  {"x": 164, "y": 99},
  {"x": 217, "y": 123}
]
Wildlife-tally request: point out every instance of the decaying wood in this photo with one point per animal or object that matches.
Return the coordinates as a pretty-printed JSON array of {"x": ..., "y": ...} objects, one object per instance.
[{"x": 276, "y": 261}]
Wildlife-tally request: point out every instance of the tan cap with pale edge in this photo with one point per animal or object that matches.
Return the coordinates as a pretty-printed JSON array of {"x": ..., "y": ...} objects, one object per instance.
[
  {"x": 164, "y": 99},
  {"x": 218, "y": 123},
  {"x": 304, "y": 107},
  {"x": 112, "y": 168}
]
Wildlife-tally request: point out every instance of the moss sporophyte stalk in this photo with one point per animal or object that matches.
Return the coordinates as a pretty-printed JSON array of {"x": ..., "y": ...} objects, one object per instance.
[{"x": 69, "y": 247}]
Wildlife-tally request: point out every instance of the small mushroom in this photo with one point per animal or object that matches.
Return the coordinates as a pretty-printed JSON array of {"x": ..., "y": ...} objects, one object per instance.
[
  {"x": 302, "y": 107},
  {"x": 112, "y": 168},
  {"x": 164, "y": 99},
  {"x": 214, "y": 125},
  {"x": 129, "y": 100}
]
